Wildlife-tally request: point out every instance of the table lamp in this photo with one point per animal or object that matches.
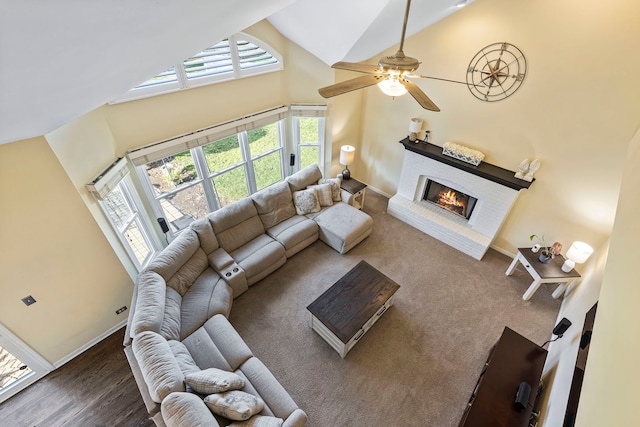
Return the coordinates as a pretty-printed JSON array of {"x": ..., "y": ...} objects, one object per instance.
[
  {"x": 347, "y": 154},
  {"x": 415, "y": 125},
  {"x": 578, "y": 253}
]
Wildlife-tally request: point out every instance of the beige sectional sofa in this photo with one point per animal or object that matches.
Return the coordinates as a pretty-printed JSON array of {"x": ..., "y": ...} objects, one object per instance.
[{"x": 178, "y": 323}]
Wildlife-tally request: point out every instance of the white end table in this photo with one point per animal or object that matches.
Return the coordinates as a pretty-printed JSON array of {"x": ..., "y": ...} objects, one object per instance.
[{"x": 550, "y": 272}]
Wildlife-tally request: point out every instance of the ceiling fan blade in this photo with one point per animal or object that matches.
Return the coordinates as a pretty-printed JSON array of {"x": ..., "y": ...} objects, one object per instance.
[
  {"x": 349, "y": 85},
  {"x": 419, "y": 95},
  {"x": 354, "y": 66}
]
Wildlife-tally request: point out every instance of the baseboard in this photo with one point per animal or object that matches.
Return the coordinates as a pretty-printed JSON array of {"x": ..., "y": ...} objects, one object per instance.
[
  {"x": 90, "y": 344},
  {"x": 502, "y": 251},
  {"x": 377, "y": 190}
]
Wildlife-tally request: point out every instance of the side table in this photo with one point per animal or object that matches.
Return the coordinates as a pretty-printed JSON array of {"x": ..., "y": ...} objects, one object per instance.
[
  {"x": 550, "y": 272},
  {"x": 356, "y": 189}
]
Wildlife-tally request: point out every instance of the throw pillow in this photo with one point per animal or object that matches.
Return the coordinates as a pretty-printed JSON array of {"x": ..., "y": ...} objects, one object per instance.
[
  {"x": 323, "y": 191},
  {"x": 259, "y": 421},
  {"x": 213, "y": 380},
  {"x": 336, "y": 192},
  {"x": 234, "y": 405},
  {"x": 306, "y": 202}
]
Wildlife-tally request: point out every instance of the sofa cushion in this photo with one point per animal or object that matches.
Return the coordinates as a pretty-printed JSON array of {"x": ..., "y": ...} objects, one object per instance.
[
  {"x": 306, "y": 201},
  {"x": 174, "y": 256},
  {"x": 183, "y": 357},
  {"x": 186, "y": 409},
  {"x": 295, "y": 234},
  {"x": 209, "y": 295},
  {"x": 172, "y": 321},
  {"x": 258, "y": 421},
  {"x": 236, "y": 224},
  {"x": 234, "y": 405},
  {"x": 213, "y": 380},
  {"x": 208, "y": 240},
  {"x": 336, "y": 191},
  {"x": 305, "y": 177},
  {"x": 259, "y": 257},
  {"x": 217, "y": 345},
  {"x": 274, "y": 204},
  {"x": 323, "y": 193},
  {"x": 159, "y": 367},
  {"x": 189, "y": 272}
]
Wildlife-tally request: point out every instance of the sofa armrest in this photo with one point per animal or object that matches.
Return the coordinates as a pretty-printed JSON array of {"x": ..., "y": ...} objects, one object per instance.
[
  {"x": 229, "y": 270},
  {"x": 297, "y": 419},
  {"x": 152, "y": 407},
  {"x": 220, "y": 259},
  {"x": 186, "y": 409}
]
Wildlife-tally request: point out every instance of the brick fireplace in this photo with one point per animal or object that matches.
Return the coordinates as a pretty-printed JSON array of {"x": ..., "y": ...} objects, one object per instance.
[{"x": 495, "y": 190}]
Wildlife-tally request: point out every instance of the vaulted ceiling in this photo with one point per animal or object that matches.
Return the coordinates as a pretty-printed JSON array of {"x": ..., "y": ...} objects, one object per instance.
[{"x": 60, "y": 60}]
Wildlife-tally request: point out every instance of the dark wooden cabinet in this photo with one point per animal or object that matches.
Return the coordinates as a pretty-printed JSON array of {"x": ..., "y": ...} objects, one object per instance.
[
  {"x": 514, "y": 359},
  {"x": 578, "y": 371}
]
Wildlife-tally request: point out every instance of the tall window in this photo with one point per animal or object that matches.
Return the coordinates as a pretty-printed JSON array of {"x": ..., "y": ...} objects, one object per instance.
[
  {"x": 118, "y": 199},
  {"x": 238, "y": 56},
  {"x": 308, "y": 134},
  {"x": 221, "y": 165}
]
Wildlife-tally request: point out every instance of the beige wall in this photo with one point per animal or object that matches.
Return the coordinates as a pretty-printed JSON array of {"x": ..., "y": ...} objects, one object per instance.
[
  {"x": 610, "y": 393},
  {"x": 576, "y": 111},
  {"x": 53, "y": 250}
]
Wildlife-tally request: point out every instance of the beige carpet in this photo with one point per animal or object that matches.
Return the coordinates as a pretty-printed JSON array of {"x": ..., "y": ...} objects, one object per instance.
[{"x": 419, "y": 363}]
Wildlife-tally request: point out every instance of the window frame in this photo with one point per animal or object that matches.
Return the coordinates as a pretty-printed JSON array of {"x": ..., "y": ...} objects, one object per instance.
[
  {"x": 183, "y": 82},
  {"x": 299, "y": 111},
  {"x": 195, "y": 143},
  {"x": 124, "y": 184}
]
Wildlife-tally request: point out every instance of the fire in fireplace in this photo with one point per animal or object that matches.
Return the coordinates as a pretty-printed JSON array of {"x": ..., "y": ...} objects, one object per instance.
[{"x": 450, "y": 199}]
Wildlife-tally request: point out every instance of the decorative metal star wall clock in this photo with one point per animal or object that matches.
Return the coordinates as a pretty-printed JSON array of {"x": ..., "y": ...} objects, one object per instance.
[{"x": 496, "y": 72}]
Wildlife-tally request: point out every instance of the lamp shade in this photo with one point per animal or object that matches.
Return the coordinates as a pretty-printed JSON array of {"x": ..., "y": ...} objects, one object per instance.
[
  {"x": 347, "y": 154},
  {"x": 579, "y": 252},
  {"x": 415, "y": 125}
]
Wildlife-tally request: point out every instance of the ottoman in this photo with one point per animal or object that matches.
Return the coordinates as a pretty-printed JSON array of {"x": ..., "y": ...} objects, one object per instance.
[{"x": 343, "y": 226}]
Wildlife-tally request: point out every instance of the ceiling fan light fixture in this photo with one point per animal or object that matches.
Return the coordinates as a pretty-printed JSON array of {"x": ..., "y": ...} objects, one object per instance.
[{"x": 391, "y": 86}]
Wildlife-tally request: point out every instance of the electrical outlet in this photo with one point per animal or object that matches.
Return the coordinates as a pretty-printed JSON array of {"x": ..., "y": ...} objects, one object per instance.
[
  {"x": 121, "y": 309},
  {"x": 28, "y": 300}
]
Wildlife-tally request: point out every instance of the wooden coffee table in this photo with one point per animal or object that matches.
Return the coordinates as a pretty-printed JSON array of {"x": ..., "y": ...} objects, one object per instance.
[{"x": 348, "y": 309}]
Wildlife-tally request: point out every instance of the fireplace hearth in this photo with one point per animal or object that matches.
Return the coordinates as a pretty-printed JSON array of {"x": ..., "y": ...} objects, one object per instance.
[{"x": 449, "y": 199}]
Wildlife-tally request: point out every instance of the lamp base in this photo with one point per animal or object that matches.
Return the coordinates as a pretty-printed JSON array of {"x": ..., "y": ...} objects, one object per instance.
[
  {"x": 346, "y": 173},
  {"x": 568, "y": 266}
]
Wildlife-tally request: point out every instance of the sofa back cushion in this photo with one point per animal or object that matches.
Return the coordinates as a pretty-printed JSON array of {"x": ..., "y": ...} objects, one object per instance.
[
  {"x": 189, "y": 272},
  {"x": 307, "y": 176},
  {"x": 158, "y": 365},
  {"x": 274, "y": 204},
  {"x": 236, "y": 224},
  {"x": 208, "y": 241},
  {"x": 150, "y": 302},
  {"x": 174, "y": 256}
]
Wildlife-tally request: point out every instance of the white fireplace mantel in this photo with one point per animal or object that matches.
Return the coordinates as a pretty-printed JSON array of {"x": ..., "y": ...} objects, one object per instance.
[{"x": 495, "y": 188}]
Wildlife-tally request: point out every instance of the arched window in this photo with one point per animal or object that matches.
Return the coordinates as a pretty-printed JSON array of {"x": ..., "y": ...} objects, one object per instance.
[{"x": 240, "y": 55}]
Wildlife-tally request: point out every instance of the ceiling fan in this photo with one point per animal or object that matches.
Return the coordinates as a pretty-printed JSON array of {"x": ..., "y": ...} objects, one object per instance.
[{"x": 390, "y": 75}]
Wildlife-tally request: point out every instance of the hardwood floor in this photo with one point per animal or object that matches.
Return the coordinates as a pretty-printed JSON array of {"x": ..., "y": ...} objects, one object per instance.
[{"x": 96, "y": 388}]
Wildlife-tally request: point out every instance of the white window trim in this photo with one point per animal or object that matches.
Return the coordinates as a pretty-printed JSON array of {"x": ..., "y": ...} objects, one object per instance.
[
  {"x": 114, "y": 176},
  {"x": 183, "y": 83},
  {"x": 308, "y": 110}
]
